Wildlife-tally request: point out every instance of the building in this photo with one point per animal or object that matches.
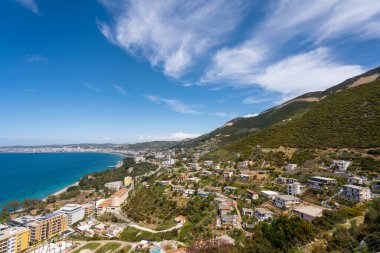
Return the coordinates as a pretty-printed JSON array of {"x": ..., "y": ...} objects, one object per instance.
[
  {"x": 356, "y": 193},
  {"x": 127, "y": 181},
  {"x": 73, "y": 212},
  {"x": 43, "y": 227},
  {"x": 286, "y": 201},
  {"x": 269, "y": 194},
  {"x": 244, "y": 164},
  {"x": 253, "y": 194},
  {"x": 103, "y": 206},
  {"x": 89, "y": 208},
  {"x": 340, "y": 164},
  {"x": 208, "y": 163},
  {"x": 180, "y": 219},
  {"x": 309, "y": 213},
  {"x": 295, "y": 189},
  {"x": 178, "y": 188},
  {"x": 319, "y": 182},
  {"x": 203, "y": 193},
  {"x": 290, "y": 167},
  {"x": 116, "y": 185},
  {"x": 285, "y": 180},
  {"x": 224, "y": 208},
  {"x": 188, "y": 192},
  {"x": 14, "y": 239},
  {"x": 230, "y": 189},
  {"x": 262, "y": 214},
  {"x": 119, "y": 197},
  {"x": 228, "y": 220},
  {"x": 247, "y": 212},
  {"x": 357, "y": 180},
  {"x": 228, "y": 174}
]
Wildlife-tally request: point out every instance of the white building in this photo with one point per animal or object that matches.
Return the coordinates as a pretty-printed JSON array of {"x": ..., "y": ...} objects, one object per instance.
[
  {"x": 356, "y": 193},
  {"x": 309, "y": 213},
  {"x": 357, "y": 180},
  {"x": 188, "y": 192},
  {"x": 295, "y": 189},
  {"x": 73, "y": 212},
  {"x": 319, "y": 182},
  {"x": 263, "y": 214},
  {"x": 270, "y": 194},
  {"x": 116, "y": 185},
  {"x": 290, "y": 167},
  {"x": 285, "y": 201},
  {"x": 247, "y": 212},
  {"x": 341, "y": 164}
]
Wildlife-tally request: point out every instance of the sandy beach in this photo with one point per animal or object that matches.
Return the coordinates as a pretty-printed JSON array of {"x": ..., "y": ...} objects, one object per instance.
[{"x": 62, "y": 190}]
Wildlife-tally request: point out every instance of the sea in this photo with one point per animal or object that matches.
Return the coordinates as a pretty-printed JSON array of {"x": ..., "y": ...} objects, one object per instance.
[{"x": 38, "y": 175}]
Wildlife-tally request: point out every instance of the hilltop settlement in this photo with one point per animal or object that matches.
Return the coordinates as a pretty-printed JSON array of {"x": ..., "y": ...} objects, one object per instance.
[{"x": 315, "y": 189}]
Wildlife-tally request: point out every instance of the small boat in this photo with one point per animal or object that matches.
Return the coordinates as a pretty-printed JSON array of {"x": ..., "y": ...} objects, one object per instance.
[{"x": 111, "y": 166}]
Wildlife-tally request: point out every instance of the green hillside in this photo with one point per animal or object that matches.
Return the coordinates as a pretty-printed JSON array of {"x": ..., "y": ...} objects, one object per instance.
[{"x": 349, "y": 118}]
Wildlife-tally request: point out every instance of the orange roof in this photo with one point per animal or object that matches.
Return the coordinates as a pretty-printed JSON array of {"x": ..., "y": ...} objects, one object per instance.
[
  {"x": 120, "y": 192},
  {"x": 105, "y": 203},
  {"x": 251, "y": 192}
]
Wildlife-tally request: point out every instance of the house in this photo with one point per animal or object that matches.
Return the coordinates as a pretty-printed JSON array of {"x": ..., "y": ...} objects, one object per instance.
[
  {"x": 295, "y": 189},
  {"x": 285, "y": 180},
  {"x": 208, "y": 163},
  {"x": 228, "y": 174},
  {"x": 162, "y": 182},
  {"x": 269, "y": 194},
  {"x": 114, "y": 231},
  {"x": 247, "y": 212},
  {"x": 253, "y": 194},
  {"x": 244, "y": 164},
  {"x": 178, "y": 188},
  {"x": 228, "y": 220},
  {"x": 285, "y": 201},
  {"x": 308, "y": 213},
  {"x": 340, "y": 164},
  {"x": 290, "y": 167},
  {"x": 206, "y": 172},
  {"x": 224, "y": 208},
  {"x": 188, "y": 192},
  {"x": 318, "y": 183},
  {"x": 357, "y": 180},
  {"x": 356, "y": 193},
  {"x": 203, "y": 193},
  {"x": 180, "y": 219},
  {"x": 262, "y": 214}
]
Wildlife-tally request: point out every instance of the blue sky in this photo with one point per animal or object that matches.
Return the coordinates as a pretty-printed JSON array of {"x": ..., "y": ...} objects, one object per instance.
[{"x": 137, "y": 70}]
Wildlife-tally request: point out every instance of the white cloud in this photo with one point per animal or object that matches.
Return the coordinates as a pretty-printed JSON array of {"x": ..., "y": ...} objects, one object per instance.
[
  {"x": 171, "y": 34},
  {"x": 251, "y": 100},
  {"x": 174, "y": 104},
  {"x": 167, "y": 137},
  {"x": 312, "y": 71},
  {"x": 250, "y": 115},
  {"x": 223, "y": 114},
  {"x": 121, "y": 90},
  {"x": 30, "y": 5},
  {"x": 36, "y": 58},
  {"x": 257, "y": 62},
  {"x": 92, "y": 87}
]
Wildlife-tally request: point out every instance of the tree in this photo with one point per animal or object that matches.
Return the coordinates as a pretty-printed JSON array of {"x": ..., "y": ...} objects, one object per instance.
[{"x": 13, "y": 206}]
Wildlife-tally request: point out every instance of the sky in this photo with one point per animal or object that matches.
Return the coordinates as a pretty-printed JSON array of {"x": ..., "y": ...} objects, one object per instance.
[{"x": 126, "y": 71}]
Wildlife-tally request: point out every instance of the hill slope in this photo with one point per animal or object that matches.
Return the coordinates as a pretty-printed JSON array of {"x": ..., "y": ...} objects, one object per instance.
[
  {"x": 242, "y": 127},
  {"x": 349, "y": 118}
]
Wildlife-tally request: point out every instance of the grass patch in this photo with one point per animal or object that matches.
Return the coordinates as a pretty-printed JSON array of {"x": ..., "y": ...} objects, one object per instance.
[
  {"x": 125, "y": 249},
  {"x": 90, "y": 246},
  {"x": 109, "y": 247}
]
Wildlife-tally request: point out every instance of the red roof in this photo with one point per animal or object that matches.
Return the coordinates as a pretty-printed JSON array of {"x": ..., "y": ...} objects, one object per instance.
[{"x": 251, "y": 192}]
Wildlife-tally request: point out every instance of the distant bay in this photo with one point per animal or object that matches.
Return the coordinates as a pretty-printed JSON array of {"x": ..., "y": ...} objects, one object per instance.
[{"x": 37, "y": 175}]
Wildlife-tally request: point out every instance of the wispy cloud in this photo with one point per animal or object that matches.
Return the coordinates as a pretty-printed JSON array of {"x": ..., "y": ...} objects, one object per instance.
[
  {"x": 121, "y": 90},
  {"x": 250, "y": 115},
  {"x": 252, "y": 100},
  {"x": 92, "y": 87},
  {"x": 36, "y": 58},
  {"x": 174, "y": 104},
  {"x": 171, "y": 34},
  {"x": 224, "y": 114},
  {"x": 168, "y": 137},
  {"x": 31, "y": 5}
]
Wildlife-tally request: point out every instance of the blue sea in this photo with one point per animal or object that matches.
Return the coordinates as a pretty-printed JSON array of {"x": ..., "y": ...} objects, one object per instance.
[{"x": 38, "y": 175}]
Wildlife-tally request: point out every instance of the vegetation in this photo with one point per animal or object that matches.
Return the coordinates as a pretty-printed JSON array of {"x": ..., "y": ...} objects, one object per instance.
[
  {"x": 90, "y": 246},
  {"x": 125, "y": 249},
  {"x": 350, "y": 118},
  {"x": 108, "y": 247},
  {"x": 131, "y": 234}
]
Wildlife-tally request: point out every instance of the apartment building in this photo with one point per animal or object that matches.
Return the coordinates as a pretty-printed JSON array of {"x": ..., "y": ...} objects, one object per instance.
[
  {"x": 263, "y": 214},
  {"x": 285, "y": 201},
  {"x": 14, "y": 239},
  {"x": 295, "y": 189},
  {"x": 43, "y": 227},
  {"x": 73, "y": 212},
  {"x": 290, "y": 167},
  {"x": 89, "y": 208},
  {"x": 116, "y": 185},
  {"x": 319, "y": 182},
  {"x": 340, "y": 164},
  {"x": 356, "y": 193},
  {"x": 357, "y": 180}
]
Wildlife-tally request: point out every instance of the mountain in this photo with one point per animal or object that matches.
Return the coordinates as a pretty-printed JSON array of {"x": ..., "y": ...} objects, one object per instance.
[
  {"x": 153, "y": 145},
  {"x": 346, "y": 119},
  {"x": 241, "y": 127}
]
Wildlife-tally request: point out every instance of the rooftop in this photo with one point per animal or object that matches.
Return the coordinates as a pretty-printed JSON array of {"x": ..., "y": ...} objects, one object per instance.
[
  {"x": 310, "y": 210},
  {"x": 287, "y": 197},
  {"x": 263, "y": 210},
  {"x": 120, "y": 192},
  {"x": 10, "y": 231}
]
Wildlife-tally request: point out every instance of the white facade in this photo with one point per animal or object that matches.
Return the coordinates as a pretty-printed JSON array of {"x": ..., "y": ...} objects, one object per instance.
[
  {"x": 73, "y": 212},
  {"x": 262, "y": 214},
  {"x": 284, "y": 201},
  {"x": 290, "y": 167},
  {"x": 295, "y": 189},
  {"x": 270, "y": 194},
  {"x": 341, "y": 164},
  {"x": 357, "y": 180},
  {"x": 116, "y": 185},
  {"x": 356, "y": 193}
]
